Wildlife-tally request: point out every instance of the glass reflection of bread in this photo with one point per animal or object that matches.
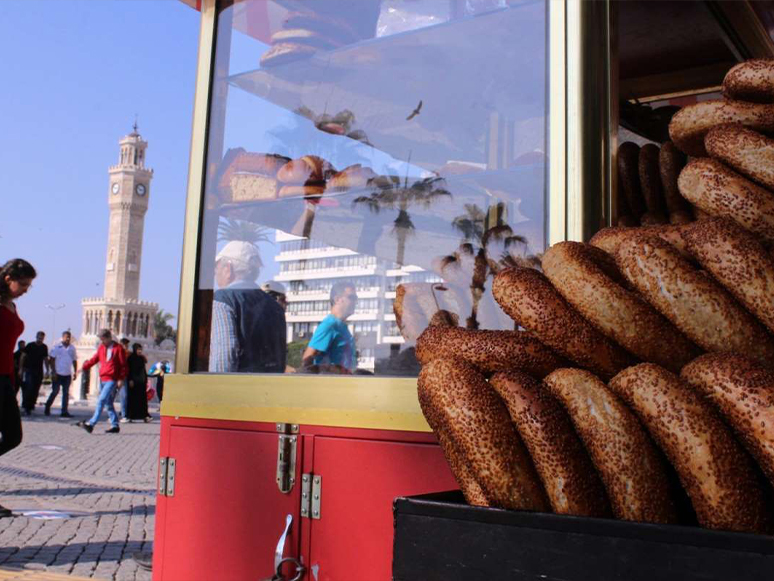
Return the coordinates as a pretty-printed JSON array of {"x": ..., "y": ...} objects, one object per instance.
[
  {"x": 250, "y": 187},
  {"x": 354, "y": 177},
  {"x": 307, "y": 170},
  {"x": 264, "y": 166}
]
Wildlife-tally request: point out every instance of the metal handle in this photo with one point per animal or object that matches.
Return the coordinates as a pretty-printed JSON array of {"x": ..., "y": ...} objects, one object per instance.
[
  {"x": 300, "y": 570},
  {"x": 278, "y": 552}
]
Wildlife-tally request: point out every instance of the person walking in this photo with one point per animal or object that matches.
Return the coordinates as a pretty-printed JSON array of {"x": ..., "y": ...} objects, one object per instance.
[
  {"x": 64, "y": 365},
  {"x": 112, "y": 370},
  {"x": 137, "y": 379},
  {"x": 332, "y": 348},
  {"x": 158, "y": 370},
  {"x": 33, "y": 361},
  {"x": 17, "y": 368},
  {"x": 15, "y": 279},
  {"x": 122, "y": 393}
]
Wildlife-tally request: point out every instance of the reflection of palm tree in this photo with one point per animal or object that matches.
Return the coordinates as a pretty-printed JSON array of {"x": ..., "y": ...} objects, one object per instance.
[
  {"x": 475, "y": 256},
  {"x": 422, "y": 193},
  {"x": 230, "y": 229}
]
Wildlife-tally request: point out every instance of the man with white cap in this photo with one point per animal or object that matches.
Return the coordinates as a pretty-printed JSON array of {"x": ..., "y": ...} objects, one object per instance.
[
  {"x": 248, "y": 326},
  {"x": 277, "y": 291}
]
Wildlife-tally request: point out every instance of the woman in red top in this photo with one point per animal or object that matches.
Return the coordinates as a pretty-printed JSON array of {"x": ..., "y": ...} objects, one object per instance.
[{"x": 15, "y": 279}]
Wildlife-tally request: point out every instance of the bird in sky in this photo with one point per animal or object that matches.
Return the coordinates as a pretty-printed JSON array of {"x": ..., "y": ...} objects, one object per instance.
[{"x": 415, "y": 112}]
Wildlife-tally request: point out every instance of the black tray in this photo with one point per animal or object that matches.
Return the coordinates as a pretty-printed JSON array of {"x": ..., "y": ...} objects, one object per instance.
[{"x": 439, "y": 537}]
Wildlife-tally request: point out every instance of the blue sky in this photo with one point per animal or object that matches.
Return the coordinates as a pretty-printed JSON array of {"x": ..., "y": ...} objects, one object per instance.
[{"x": 74, "y": 73}]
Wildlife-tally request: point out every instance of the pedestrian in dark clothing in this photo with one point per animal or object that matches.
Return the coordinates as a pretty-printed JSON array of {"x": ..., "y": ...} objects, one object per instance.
[
  {"x": 137, "y": 379},
  {"x": 34, "y": 360},
  {"x": 112, "y": 371},
  {"x": 158, "y": 370},
  {"x": 15, "y": 280},
  {"x": 17, "y": 368},
  {"x": 124, "y": 391},
  {"x": 248, "y": 326}
]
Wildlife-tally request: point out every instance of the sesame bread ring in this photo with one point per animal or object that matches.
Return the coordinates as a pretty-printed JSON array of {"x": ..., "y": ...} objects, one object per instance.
[
  {"x": 530, "y": 299},
  {"x": 455, "y": 397},
  {"x": 671, "y": 161},
  {"x": 629, "y": 177},
  {"x": 470, "y": 488},
  {"x": 745, "y": 151},
  {"x": 752, "y": 80},
  {"x": 619, "y": 314},
  {"x": 650, "y": 183},
  {"x": 718, "y": 191},
  {"x": 739, "y": 262},
  {"x": 693, "y": 301},
  {"x": 715, "y": 471},
  {"x": 609, "y": 239},
  {"x": 488, "y": 351},
  {"x": 690, "y": 124},
  {"x": 743, "y": 391},
  {"x": 569, "y": 478},
  {"x": 628, "y": 463}
]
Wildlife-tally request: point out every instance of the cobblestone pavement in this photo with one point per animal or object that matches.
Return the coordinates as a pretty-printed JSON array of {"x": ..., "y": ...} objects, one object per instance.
[{"x": 105, "y": 483}]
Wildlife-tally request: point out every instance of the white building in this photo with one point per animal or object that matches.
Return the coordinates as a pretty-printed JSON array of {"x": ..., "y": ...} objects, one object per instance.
[{"x": 309, "y": 268}]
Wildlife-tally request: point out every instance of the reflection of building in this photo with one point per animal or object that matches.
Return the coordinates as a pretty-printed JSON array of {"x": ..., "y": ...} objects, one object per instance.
[
  {"x": 120, "y": 309},
  {"x": 310, "y": 267}
]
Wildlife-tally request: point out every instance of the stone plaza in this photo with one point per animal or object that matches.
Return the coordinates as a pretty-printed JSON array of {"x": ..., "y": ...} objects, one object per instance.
[{"x": 83, "y": 503}]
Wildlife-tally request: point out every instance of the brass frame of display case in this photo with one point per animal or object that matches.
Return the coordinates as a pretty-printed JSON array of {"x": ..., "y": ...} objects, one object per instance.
[{"x": 578, "y": 175}]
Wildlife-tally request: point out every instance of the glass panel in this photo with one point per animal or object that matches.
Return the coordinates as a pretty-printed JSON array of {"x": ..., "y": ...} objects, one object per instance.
[{"x": 363, "y": 158}]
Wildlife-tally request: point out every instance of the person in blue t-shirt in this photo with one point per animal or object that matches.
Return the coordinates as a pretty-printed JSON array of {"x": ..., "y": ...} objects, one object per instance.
[{"x": 332, "y": 348}]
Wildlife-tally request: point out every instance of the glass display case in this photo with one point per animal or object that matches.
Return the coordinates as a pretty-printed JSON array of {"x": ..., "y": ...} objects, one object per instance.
[{"x": 398, "y": 148}]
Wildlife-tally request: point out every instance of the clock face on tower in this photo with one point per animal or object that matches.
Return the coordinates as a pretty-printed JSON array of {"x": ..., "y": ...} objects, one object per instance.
[
  {"x": 140, "y": 189},
  {"x": 116, "y": 187}
]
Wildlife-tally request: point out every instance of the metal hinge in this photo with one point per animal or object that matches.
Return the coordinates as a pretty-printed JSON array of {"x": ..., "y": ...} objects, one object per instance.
[
  {"x": 167, "y": 476},
  {"x": 286, "y": 456},
  {"x": 311, "y": 495}
]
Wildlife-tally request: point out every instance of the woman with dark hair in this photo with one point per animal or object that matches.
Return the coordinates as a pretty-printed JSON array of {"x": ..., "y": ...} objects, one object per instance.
[
  {"x": 136, "y": 400},
  {"x": 15, "y": 279}
]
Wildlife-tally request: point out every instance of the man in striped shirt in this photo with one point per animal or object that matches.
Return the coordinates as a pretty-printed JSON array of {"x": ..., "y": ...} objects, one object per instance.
[{"x": 248, "y": 326}]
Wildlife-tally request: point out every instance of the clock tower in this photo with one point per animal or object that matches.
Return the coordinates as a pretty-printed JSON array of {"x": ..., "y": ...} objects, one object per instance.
[
  {"x": 128, "y": 194},
  {"x": 120, "y": 308}
]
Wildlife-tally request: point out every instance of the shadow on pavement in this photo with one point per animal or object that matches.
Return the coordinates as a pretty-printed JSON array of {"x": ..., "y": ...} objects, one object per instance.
[
  {"x": 75, "y": 490},
  {"x": 60, "y": 554}
]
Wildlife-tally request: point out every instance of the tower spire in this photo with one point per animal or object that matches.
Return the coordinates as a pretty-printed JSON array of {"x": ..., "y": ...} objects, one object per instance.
[{"x": 134, "y": 127}]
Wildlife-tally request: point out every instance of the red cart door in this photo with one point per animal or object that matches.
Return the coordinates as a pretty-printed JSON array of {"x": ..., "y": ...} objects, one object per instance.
[
  {"x": 352, "y": 540},
  {"x": 227, "y": 505}
]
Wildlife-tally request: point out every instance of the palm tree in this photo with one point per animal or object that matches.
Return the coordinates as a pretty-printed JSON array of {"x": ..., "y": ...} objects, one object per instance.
[
  {"x": 161, "y": 327},
  {"x": 474, "y": 258},
  {"x": 391, "y": 196},
  {"x": 231, "y": 229}
]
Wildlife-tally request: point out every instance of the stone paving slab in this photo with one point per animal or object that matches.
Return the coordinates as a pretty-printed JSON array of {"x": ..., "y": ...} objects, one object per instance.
[{"x": 83, "y": 503}]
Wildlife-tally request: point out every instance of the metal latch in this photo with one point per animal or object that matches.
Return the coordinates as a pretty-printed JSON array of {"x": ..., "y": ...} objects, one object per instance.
[
  {"x": 286, "y": 456},
  {"x": 311, "y": 495},
  {"x": 167, "y": 476}
]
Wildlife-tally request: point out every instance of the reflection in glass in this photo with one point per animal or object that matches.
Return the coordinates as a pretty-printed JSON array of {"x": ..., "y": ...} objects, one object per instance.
[{"x": 384, "y": 159}]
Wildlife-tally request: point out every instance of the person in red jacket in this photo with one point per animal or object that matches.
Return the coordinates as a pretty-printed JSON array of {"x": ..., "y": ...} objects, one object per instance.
[{"x": 111, "y": 357}]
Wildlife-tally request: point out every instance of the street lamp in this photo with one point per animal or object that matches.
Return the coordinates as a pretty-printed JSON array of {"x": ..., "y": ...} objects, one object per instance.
[{"x": 55, "y": 308}]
